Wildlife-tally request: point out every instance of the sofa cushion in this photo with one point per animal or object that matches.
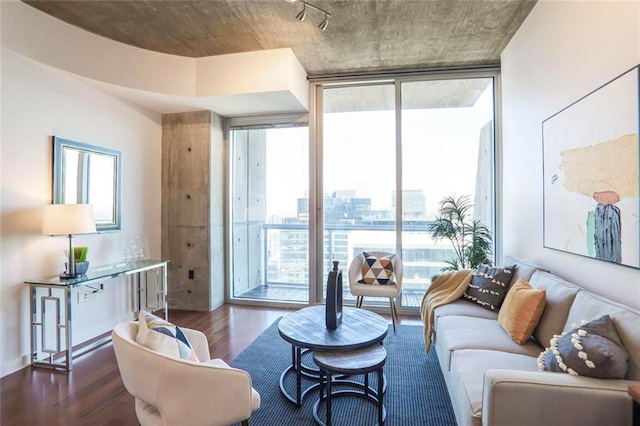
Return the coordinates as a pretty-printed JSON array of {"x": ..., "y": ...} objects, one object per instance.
[
  {"x": 627, "y": 322},
  {"x": 377, "y": 270},
  {"x": 560, "y": 295},
  {"x": 593, "y": 349},
  {"x": 521, "y": 310},
  {"x": 457, "y": 333},
  {"x": 463, "y": 308},
  {"x": 467, "y": 377},
  {"x": 489, "y": 286}
]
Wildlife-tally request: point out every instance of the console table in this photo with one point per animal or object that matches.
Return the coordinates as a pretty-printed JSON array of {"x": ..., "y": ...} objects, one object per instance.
[{"x": 50, "y": 322}]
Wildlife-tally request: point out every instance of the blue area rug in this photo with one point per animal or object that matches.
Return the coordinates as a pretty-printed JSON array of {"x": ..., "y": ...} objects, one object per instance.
[{"x": 416, "y": 392}]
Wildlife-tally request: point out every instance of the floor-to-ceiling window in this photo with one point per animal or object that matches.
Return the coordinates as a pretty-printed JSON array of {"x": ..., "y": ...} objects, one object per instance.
[
  {"x": 358, "y": 173},
  {"x": 270, "y": 213},
  {"x": 391, "y": 151},
  {"x": 447, "y": 151},
  {"x": 384, "y": 154}
]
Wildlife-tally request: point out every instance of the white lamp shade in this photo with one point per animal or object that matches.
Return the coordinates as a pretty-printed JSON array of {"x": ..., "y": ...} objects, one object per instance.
[{"x": 68, "y": 219}]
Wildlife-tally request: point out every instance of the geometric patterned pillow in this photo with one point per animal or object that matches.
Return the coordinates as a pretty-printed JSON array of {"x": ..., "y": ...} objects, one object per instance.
[
  {"x": 489, "y": 286},
  {"x": 377, "y": 270},
  {"x": 163, "y": 337}
]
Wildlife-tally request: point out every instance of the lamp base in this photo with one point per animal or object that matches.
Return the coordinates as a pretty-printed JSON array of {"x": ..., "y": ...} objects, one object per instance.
[{"x": 66, "y": 276}]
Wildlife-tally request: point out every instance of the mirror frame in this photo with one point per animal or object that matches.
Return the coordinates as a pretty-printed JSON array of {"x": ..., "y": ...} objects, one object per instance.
[{"x": 59, "y": 145}]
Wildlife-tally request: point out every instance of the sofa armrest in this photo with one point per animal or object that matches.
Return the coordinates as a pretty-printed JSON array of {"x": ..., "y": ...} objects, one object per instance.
[
  {"x": 529, "y": 398},
  {"x": 199, "y": 343}
]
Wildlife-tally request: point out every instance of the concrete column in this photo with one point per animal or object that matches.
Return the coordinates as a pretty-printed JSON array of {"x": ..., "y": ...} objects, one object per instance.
[{"x": 193, "y": 209}]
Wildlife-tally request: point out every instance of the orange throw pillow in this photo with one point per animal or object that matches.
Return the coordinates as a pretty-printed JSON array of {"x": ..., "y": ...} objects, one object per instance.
[{"x": 521, "y": 310}]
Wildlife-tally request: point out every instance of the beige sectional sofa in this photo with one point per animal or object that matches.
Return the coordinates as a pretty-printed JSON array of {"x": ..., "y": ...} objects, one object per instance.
[{"x": 494, "y": 381}]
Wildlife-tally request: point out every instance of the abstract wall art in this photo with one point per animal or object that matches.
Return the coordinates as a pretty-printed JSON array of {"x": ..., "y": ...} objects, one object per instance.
[{"x": 591, "y": 172}]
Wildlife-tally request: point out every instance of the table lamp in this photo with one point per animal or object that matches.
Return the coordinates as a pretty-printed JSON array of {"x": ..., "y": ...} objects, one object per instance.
[{"x": 68, "y": 219}]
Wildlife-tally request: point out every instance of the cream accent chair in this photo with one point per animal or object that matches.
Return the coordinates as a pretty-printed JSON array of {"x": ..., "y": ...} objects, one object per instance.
[
  {"x": 176, "y": 392},
  {"x": 391, "y": 290}
]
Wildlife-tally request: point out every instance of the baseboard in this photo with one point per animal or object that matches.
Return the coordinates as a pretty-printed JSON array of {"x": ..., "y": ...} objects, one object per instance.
[{"x": 12, "y": 366}]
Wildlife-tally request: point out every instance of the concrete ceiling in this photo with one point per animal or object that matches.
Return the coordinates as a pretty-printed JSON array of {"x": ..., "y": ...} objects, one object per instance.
[{"x": 362, "y": 35}]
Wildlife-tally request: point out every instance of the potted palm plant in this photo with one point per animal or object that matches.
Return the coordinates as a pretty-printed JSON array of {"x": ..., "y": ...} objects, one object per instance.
[{"x": 472, "y": 241}]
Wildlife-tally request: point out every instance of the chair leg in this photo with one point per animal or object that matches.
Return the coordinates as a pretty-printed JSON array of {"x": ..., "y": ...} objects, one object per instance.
[
  {"x": 359, "y": 301},
  {"x": 394, "y": 313}
]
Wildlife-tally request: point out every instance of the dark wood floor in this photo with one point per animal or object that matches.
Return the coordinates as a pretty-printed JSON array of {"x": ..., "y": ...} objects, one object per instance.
[{"x": 93, "y": 394}]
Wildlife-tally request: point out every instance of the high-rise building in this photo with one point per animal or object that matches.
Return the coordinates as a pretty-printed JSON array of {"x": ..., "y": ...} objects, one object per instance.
[{"x": 414, "y": 204}]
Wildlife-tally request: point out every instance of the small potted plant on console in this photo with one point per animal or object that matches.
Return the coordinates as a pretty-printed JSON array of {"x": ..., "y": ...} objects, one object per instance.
[{"x": 80, "y": 259}]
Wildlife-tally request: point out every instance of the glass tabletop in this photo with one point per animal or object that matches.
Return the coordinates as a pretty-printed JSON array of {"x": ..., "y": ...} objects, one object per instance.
[{"x": 101, "y": 272}]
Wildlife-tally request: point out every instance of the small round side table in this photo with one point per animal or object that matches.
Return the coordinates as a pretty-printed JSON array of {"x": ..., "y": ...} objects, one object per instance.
[{"x": 364, "y": 361}]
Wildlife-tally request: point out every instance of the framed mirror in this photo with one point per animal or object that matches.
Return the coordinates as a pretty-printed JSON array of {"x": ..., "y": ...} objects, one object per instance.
[{"x": 89, "y": 174}]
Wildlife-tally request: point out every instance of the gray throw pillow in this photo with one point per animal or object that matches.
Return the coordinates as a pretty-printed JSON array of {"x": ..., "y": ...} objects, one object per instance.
[
  {"x": 489, "y": 286},
  {"x": 594, "y": 349}
]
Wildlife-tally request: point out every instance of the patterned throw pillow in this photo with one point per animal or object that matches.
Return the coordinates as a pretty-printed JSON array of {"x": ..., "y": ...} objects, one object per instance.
[
  {"x": 594, "y": 349},
  {"x": 377, "y": 270},
  {"x": 163, "y": 337},
  {"x": 489, "y": 286}
]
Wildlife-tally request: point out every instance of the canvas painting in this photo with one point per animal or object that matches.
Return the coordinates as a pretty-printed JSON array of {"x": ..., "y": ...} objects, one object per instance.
[{"x": 591, "y": 174}]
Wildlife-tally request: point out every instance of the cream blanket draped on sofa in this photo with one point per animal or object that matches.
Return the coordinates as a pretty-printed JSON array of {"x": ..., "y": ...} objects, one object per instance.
[{"x": 447, "y": 288}]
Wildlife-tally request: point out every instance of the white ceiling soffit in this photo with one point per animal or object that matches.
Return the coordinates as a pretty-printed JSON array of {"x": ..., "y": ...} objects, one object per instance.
[
  {"x": 238, "y": 105},
  {"x": 262, "y": 82}
]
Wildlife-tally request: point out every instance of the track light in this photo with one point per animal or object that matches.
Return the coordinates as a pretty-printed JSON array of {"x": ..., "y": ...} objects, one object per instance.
[
  {"x": 303, "y": 13},
  {"x": 323, "y": 24}
]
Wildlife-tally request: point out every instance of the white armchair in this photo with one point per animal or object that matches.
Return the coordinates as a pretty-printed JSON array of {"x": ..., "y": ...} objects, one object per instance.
[
  {"x": 170, "y": 391},
  {"x": 391, "y": 290}
]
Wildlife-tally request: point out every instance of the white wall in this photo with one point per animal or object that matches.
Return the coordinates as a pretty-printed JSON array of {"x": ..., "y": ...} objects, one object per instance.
[
  {"x": 37, "y": 103},
  {"x": 563, "y": 51},
  {"x": 42, "y": 97}
]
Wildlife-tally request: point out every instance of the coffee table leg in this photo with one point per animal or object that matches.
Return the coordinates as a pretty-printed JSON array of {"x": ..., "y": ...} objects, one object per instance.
[
  {"x": 328, "y": 399},
  {"x": 366, "y": 384},
  {"x": 380, "y": 393},
  {"x": 298, "y": 376},
  {"x": 293, "y": 356}
]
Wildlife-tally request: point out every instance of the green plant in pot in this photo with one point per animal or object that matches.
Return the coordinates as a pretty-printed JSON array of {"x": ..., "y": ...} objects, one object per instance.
[
  {"x": 472, "y": 241},
  {"x": 80, "y": 259}
]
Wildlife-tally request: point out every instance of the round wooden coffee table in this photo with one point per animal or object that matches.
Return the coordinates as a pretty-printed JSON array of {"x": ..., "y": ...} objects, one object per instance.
[{"x": 306, "y": 330}]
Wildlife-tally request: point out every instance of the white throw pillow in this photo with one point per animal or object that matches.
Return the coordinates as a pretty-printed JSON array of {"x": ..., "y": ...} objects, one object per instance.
[{"x": 163, "y": 337}]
